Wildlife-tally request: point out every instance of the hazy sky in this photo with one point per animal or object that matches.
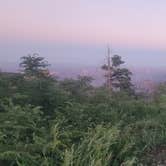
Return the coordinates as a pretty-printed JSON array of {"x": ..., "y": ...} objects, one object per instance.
[{"x": 76, "y": 32}]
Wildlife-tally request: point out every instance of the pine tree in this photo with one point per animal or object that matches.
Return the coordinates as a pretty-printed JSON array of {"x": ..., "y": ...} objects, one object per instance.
[
  {"x": 34, "y": 66},
  {"x": 120, "y": 77}
]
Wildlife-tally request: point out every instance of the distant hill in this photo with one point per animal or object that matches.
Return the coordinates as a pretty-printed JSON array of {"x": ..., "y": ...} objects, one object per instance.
[
  {"x": 140, "y": 74},
  {"x": 155, "y": 75}
]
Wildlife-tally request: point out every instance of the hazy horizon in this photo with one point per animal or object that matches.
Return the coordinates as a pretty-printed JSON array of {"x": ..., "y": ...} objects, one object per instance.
[{"x": 76, "y": 32}]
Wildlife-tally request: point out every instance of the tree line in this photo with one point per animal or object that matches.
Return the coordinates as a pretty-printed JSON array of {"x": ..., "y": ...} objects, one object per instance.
[{"x": 45, "y": 121}]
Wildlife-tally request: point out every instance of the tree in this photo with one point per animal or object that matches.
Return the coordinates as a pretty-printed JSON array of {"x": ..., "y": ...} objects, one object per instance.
[
  {"x": 120, "y": 77},
  {"x": 79, "y": 88},
  {"x": 34, "y": 66}
]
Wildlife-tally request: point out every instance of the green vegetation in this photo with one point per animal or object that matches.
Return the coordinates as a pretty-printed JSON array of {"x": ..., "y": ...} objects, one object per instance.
[
  {"x": 49, "y": 122},
  {"x": 120, "y": 77}
]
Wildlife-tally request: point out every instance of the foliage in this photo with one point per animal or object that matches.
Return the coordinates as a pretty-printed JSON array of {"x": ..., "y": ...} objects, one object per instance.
[
  {"x": 79, "y": 89},
  {"x": 120, "y": 77},
  {"x": 33, "y": 65},
  {"x": 47, "y": 122}
]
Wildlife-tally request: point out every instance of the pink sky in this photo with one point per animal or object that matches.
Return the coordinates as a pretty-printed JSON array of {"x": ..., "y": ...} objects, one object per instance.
[
  {"x": 126, "y": 22},
  {"x": 75, "y": 32}
]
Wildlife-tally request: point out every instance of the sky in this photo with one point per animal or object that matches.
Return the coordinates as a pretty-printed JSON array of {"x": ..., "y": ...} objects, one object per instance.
[{"x": 77, "y": 32}]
